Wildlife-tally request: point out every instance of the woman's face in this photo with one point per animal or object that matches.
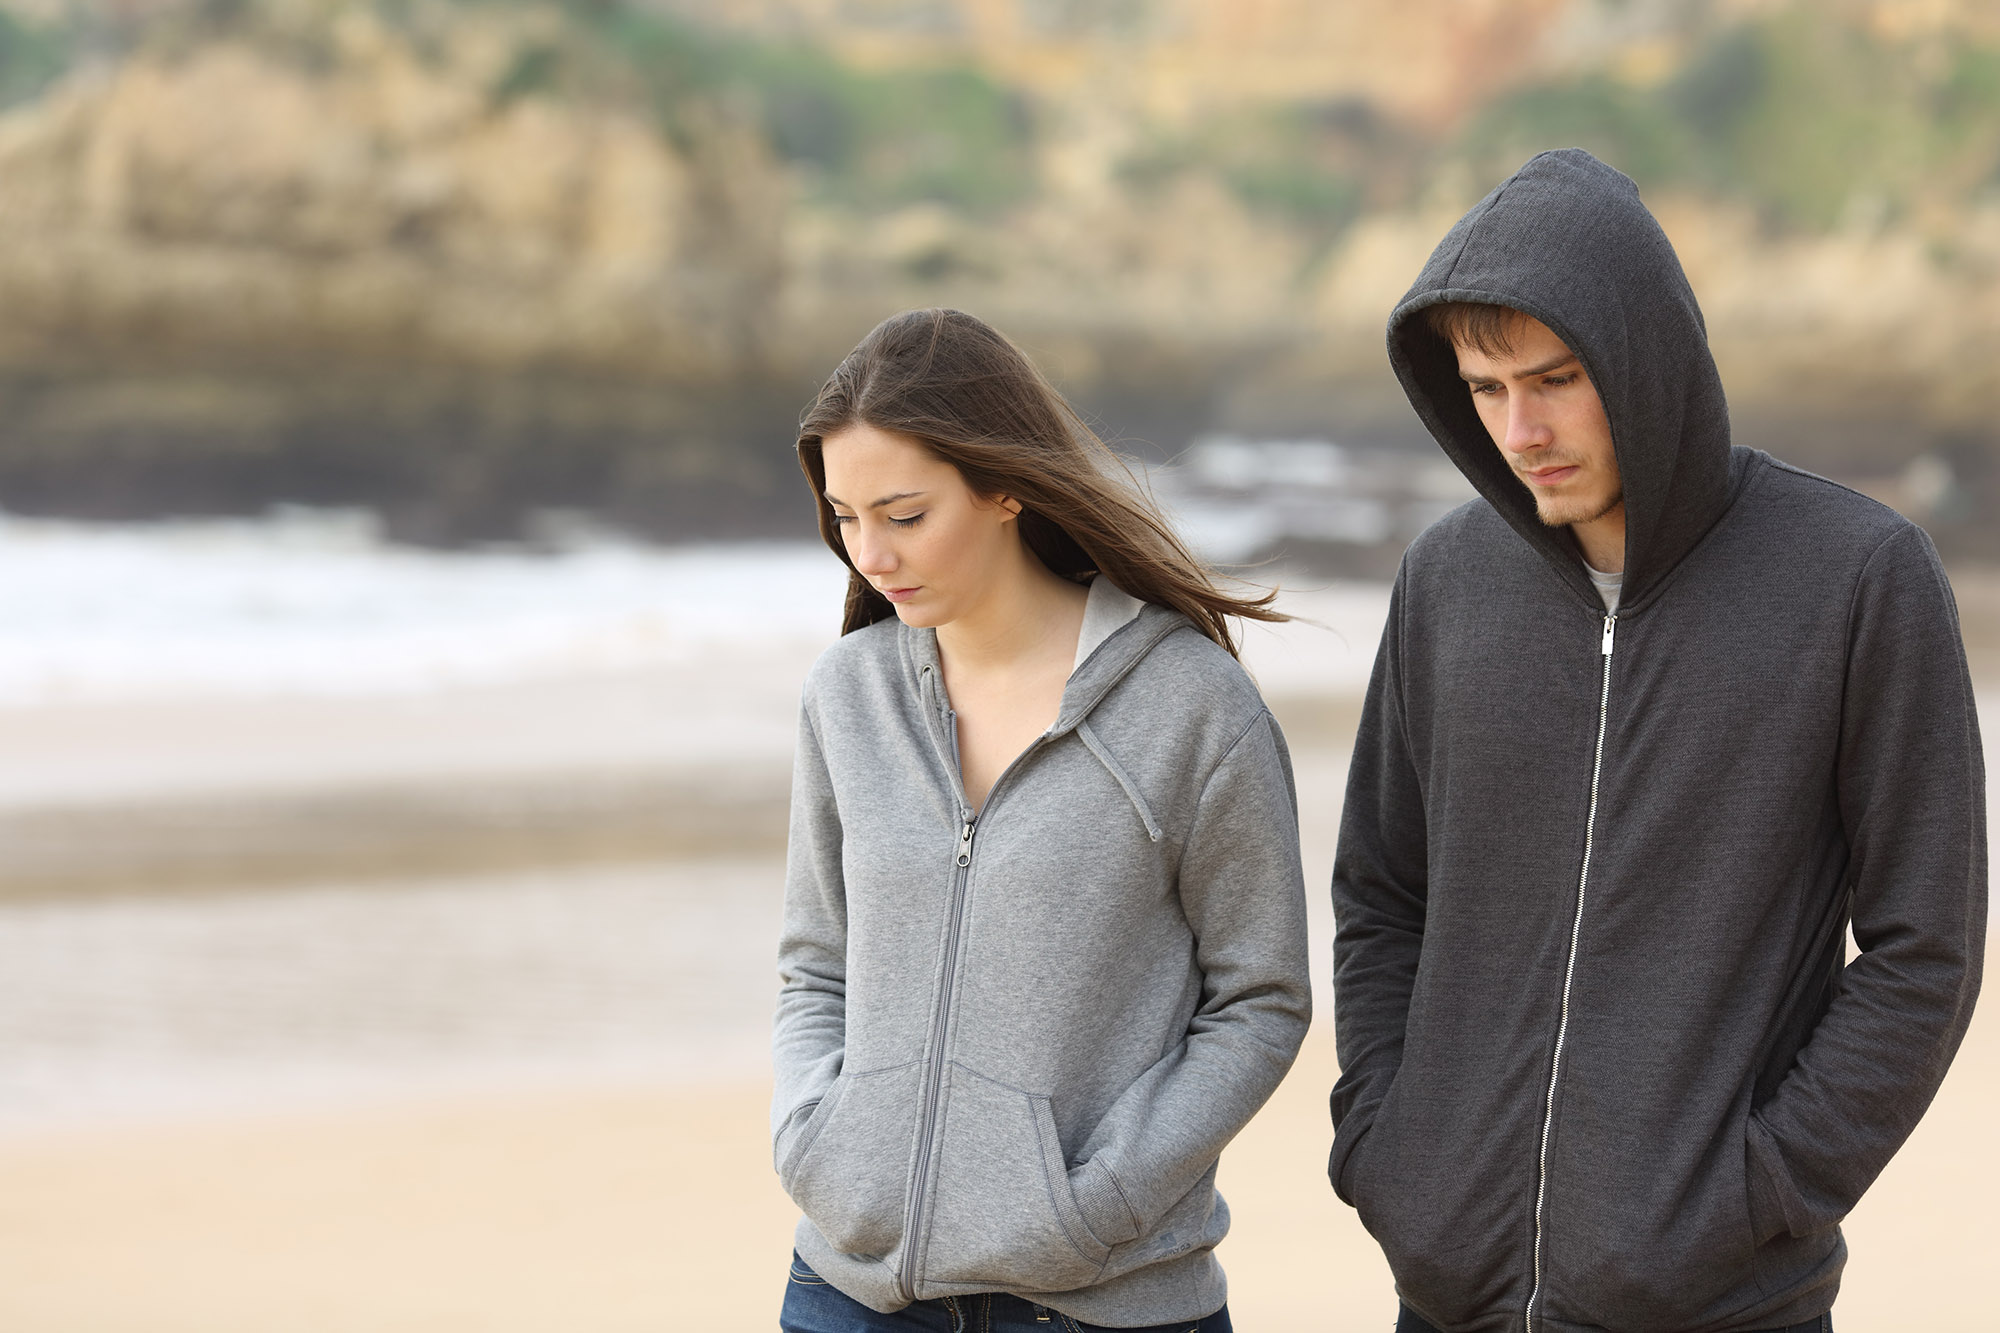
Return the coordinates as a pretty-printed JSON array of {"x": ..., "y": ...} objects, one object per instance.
[{"x": 912, "y": 527}]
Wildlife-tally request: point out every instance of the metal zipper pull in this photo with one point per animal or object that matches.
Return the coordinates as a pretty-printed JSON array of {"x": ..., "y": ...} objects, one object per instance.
[
  {"x": 965, "y": 844},
  {"x": 1609, "y": 621}
]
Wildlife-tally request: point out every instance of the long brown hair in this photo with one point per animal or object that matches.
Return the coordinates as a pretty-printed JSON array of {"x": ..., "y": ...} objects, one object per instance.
[{"x": 955, "y": 385}]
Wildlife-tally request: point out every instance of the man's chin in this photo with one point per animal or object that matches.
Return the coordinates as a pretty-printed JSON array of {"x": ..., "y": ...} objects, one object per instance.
[
  {"x": 1557, "y": 515},
  {"x": 1563, "y": 514}
]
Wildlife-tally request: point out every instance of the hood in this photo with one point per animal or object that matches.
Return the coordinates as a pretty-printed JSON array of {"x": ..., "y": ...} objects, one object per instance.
[{"x": 1567, "y": 240}]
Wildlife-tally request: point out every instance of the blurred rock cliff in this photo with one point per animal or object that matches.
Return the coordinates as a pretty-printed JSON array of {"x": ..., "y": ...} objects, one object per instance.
[{"x": 461, "y": 260}]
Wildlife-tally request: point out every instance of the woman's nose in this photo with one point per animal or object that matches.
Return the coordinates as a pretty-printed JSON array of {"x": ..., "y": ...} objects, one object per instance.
[{"x": 869, "y": 552}]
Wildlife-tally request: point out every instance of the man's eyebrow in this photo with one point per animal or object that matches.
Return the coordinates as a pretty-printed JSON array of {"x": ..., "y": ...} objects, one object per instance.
[
  {"x": 885, "y": 500},
  {"x": 1546, "y": 366},
  {"x": 1527, "y": 374}
]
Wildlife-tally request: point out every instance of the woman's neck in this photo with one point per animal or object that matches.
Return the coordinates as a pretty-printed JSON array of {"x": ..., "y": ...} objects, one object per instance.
[{"x": 1027, "y": 615}]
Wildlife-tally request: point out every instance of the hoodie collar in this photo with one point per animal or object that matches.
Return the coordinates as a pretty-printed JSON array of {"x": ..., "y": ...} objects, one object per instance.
[
  {"x": 1567, "y": 240},
  {"x": 1118, "y": 631},
  {"x": 1108, "y": 609}
]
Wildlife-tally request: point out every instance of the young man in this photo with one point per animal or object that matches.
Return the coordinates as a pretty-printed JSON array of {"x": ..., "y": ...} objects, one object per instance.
[{"x": 1652, "y": 722}]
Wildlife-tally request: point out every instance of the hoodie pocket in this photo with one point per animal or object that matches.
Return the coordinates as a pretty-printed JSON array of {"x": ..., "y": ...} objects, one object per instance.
[
  {"x": 1003, "y": 1214},
  {"x": 1656, "y": 1242},
  {"x": 1432, "y": 1212},
  {"x": 794, "y": 1135},
  {"x": 849, "y": 1164}
]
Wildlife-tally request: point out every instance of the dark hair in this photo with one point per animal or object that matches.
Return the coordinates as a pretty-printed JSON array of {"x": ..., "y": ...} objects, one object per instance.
[
  {"x": 956, "y": 386},
  {"x": 1483, "y": 327}
]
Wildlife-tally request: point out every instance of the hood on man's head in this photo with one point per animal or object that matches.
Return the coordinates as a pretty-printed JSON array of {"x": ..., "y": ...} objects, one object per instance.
[{"x": 1567, "y": 240}]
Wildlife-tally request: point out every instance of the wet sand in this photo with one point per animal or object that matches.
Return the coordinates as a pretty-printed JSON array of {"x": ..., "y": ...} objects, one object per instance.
[{"x": 190, "y": 795}]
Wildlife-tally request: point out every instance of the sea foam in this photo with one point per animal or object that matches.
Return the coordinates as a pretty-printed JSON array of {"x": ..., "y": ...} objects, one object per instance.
[{"x": 307, "y": 602}]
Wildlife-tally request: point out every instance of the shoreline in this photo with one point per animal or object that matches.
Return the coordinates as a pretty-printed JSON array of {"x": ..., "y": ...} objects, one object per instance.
[
  {"x": 125, "y": 799},
  {"x": 256, "y": 842}
]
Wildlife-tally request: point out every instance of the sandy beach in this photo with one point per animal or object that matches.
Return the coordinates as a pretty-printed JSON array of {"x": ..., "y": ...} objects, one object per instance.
[
  {"x": 655, "y": 1207},
  {"x": 601, "y": 1199},
  {"x": 445, "y": 1010}
]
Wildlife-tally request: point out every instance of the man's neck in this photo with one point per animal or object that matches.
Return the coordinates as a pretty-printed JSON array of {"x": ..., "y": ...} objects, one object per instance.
[{"x": 1602, "y": 541}]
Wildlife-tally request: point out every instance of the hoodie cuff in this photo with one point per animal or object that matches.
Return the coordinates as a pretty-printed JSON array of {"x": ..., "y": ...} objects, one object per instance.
[
  {"x": 1346, "y": 1142},
  {"x": 1102, "y": 1203}
]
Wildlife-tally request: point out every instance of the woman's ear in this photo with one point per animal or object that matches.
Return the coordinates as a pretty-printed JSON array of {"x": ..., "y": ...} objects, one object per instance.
[{"x": 1010, "y": 507}]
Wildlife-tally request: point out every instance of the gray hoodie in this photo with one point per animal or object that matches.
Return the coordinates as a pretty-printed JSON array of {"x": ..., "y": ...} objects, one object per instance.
[
  {"x": 1603, "y": 1066},
  {"x": 1009, "y": 1049}
]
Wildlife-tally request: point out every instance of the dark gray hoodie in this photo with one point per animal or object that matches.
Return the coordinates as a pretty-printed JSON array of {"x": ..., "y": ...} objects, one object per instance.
[
  {"x": 1010, "y": 1047},
  {"x": 1603, "y": 1066}
]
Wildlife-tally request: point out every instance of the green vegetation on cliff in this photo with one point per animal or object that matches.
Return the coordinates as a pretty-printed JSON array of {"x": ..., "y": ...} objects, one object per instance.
[
  {"x": 873, "y": 139},
  {"x": 32, "y": 56},
  {"x": 1812, "y": 121},
  {"x": 876, "y": 139},
  {"x": 1316, "y": 167},
  {"x": 1802, "y": 113}
]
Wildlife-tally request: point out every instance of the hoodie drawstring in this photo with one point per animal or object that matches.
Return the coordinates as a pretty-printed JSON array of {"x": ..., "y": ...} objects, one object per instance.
[{"x": 1112, "y": 766}]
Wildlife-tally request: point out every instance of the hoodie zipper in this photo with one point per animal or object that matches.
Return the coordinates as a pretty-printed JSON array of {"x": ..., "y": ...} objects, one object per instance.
[
  {"x": 933, "y": 1091},
  {"x": 1569, "y": 974},
  {"x": 934, "y": 1070}
]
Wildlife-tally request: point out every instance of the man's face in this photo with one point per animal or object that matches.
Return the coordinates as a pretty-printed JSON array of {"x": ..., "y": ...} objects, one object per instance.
[{"x": 1545, "y": 415}]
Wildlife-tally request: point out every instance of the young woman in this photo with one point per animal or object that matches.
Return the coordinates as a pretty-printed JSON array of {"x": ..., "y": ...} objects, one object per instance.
[{"x": 1044, "y": 940}]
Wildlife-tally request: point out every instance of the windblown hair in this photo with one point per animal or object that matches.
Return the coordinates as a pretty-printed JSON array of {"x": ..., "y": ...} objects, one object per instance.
[
  {"x": 1487, "y": 329},
  {"x": 956, "y": 386}
]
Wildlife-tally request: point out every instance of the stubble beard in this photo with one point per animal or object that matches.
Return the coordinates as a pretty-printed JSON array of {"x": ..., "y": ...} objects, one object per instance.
[{"x": 1560, "y": 513}]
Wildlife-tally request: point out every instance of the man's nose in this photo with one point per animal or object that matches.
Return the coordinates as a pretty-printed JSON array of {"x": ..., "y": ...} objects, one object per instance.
[{"x": 1526, "y": 428}]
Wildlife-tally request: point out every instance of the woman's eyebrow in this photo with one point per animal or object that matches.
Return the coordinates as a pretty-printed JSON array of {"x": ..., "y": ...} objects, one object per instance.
[{"x": 885, "y": 500}]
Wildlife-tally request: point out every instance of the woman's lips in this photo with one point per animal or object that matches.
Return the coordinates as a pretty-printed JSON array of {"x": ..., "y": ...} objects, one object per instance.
[{"x": 900, "y": 594}]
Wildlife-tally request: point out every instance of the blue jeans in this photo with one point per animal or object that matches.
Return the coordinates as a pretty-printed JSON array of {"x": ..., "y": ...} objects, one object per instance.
[
  {"x": 814, "y": 1305},
  {"x": 1411, "y": 1322}
]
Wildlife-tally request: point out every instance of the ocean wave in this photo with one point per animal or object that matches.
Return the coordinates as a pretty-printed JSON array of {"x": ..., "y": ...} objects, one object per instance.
[{"x": 315, "y": 602}]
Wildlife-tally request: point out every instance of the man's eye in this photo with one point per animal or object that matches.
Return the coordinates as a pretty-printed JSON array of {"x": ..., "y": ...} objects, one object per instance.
[
  {"x": 1557, "y": 381},
  {"x": 1485, "y": 389}
]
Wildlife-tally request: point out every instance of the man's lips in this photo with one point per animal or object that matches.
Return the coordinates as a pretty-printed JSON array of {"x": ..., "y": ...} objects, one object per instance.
[
  {"x": 1551, "y": 476},
  {"x": 899, "y": 594}
]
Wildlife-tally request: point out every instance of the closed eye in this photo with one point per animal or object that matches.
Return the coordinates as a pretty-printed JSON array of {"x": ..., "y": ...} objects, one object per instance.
[{"x": 842, "y": 520}]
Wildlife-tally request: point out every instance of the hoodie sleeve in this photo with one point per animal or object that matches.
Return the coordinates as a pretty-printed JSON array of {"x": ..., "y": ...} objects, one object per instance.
[
  {"x": 1379, "y": 897},
  {"x": 1911, "y": 786},
  {"x": 1244, "y": 895},
  {"x": 810, "y": 1031}
]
